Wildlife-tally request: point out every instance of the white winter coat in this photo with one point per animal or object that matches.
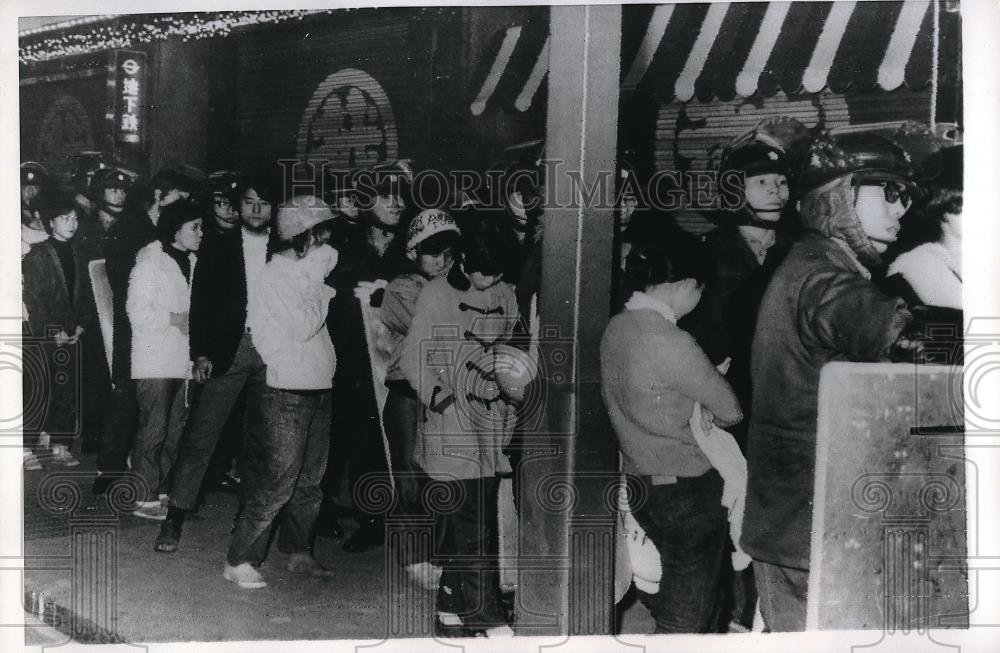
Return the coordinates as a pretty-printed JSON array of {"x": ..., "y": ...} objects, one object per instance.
[{"x": 157, "y": 288}]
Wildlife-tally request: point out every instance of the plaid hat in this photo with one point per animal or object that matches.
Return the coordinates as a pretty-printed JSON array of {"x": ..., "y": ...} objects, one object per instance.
[
  {"x": 300, "y": 214},
  {"x": 427, "y": 223}
]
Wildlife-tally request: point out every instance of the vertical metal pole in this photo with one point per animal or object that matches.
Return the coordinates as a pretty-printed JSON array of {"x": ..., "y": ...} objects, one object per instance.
[{"x": 574, "y": 531}]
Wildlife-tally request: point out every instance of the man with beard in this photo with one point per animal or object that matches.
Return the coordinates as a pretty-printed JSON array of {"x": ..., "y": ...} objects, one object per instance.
[
  {"x": 223, "y": 302},
  {"x": 372, "y": 252},
  {"x": 120, "y": 233}
]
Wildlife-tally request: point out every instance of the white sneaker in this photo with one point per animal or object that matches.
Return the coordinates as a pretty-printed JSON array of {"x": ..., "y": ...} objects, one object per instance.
[
  {"x": 499, "y": 632},
  {"x": 245, "y": 576},
  {"x": 424, "y": 574},
  {"x": 62, "y": 457},
  {"x": 31, "y": 463},
  {"x": 150, "y": 510}
]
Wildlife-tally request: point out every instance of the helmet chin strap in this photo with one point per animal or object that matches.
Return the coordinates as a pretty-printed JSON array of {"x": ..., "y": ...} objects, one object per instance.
[{"x": 750, "y": 219}]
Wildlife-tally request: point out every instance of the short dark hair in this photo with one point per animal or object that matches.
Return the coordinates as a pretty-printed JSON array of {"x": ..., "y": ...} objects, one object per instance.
[
  {"x": 438, "y": 243},
  {"x": 681, "y": 256},
  {"x": 268, "y": 188},
  {"x": 174, "y": 216},
  {"x": 51, "y": 205}
]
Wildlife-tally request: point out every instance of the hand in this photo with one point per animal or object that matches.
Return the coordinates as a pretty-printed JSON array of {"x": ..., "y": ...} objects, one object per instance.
[
  {"x": 62, "y": 338},
  {"x": 202, "y": 370},
  {"x": 73, "y": 339},
  {"x": 707, "y": 420},
  {"x": 723, "y": 367},
  {"x": 180, "y": 320}
]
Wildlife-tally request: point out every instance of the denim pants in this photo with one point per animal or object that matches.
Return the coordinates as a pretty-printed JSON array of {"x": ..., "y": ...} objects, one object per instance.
[
  {"x": 782, "y": 592},
  {"x": 210, "y": 416},
  {"x": 688, "y": 524},
  {"x": 162, "y": 415},
  {"x": 283, "y": 464},
  {"x": 469, "y": 555}
]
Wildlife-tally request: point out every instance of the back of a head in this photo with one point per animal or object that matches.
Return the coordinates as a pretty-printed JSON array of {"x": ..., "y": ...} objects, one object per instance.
[
  {"x": 488, "y": 244},
  {"x": 682, "y": 256}
]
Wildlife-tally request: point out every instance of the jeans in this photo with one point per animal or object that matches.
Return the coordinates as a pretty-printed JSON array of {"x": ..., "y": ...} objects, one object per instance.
[
  {"x": 283, "y": 465},
  {"x": 470, "y": 576},
  {"x": 782, "y": 592},
  {"x": 210, "y": 416},
  {"x": 162, "y": 415},
  {"x": 688, "y": 524}
]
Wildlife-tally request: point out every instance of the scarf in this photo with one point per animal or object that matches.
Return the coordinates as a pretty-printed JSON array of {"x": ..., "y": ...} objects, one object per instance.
[{"x": 640, "y": 300}]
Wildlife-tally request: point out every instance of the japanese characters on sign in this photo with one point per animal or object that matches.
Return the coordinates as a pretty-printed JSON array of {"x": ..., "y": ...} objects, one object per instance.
[{"x": 129, "y": 81}]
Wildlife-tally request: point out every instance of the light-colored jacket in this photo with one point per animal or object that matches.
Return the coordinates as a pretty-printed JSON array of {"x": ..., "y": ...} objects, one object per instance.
[
  {"x": 290, "y": 331},
  {"x": 448, "y": 356},
  {"x": 157, "y": 288}
]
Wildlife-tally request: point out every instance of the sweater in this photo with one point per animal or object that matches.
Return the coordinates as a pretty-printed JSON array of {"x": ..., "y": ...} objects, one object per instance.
[
  {"x": 652, "y": 373},
  {"x": 289, "y": 330}
]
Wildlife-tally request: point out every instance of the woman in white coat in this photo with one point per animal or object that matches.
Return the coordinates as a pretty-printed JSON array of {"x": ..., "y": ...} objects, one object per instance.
[{"x": 159, "y": 297}]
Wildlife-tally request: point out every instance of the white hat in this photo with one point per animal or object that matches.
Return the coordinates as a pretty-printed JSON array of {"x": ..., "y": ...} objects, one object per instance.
[
  {"x": 427, "y": 223},
  {"x": 300, "y": 214}
]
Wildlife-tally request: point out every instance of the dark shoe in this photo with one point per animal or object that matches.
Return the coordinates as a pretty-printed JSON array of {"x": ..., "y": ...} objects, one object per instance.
[
  {"x": 328, "y": 526},
  {"x": 170, "y": 536},
  {"x": 336, "y": 510},
  {"x": 228, "y": 483},
  {"x": 101, "y": 484},
  {"x": 370, "y": 535},
  {"x": 304, "y": 563}
]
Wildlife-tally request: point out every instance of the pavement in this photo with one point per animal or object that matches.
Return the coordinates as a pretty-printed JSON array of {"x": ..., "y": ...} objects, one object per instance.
[{"x": 91, "y": 575}]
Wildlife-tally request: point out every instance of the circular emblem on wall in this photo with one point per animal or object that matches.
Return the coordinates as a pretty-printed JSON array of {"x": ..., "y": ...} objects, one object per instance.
[
  {"x": 65, "y": 130},
  {"x": 348, "y": 122}
]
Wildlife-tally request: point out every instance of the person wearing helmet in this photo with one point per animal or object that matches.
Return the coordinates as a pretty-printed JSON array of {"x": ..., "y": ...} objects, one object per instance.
[
  {"x": 33, "y": 179},
  {"x": 127, "y": 219},
  {"x": 221, "y": 195},
  {"x": 747, "y": 246},
  {"x": 820, "y": 306}
]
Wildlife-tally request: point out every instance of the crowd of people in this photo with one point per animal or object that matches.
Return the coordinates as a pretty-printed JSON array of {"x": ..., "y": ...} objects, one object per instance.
[{"x": 234, "y": 350}]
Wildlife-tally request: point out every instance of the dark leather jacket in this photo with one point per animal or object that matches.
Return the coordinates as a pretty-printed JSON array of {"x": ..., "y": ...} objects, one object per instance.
[{"x": 820, "y": 306}]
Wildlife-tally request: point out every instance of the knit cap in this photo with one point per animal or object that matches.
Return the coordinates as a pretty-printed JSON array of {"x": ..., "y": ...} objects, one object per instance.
[{"x": 427, "y": 223}]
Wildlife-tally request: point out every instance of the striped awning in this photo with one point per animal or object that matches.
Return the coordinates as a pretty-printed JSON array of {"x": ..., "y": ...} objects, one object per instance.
[{"x": 740, "y": 49}]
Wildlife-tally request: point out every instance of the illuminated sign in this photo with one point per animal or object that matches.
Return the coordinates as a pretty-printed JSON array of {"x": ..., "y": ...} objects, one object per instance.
[{"x": 127, "y": 84}]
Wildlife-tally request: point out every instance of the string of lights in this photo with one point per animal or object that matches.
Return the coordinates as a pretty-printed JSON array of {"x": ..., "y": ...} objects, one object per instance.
[{"x": 39, "y": 45}]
